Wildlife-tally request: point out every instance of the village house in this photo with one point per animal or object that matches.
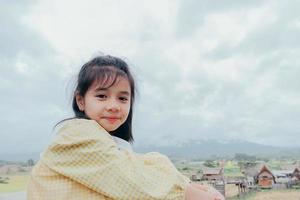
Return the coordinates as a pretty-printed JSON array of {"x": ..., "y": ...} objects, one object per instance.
[
  {"x": 265, "y": 178},
  {"x": 250, "y": 173},
  {"x": 212, "y": 174},
  {"x": 294, "y": 169},
  {"x": 296, "y": 174},
  {"x": 14, "y": 168},
  {"x": 7, "y": 169},
  {"x": 283, "y": 176},
  {"x": 262, "y": 176}
]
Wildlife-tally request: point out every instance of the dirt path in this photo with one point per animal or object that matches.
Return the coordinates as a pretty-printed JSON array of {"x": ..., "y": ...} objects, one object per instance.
[{"x": 278, "y": 195}]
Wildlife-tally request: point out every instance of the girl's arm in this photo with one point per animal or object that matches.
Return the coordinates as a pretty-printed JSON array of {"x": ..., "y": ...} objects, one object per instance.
[
  {"x": 196, "y": 192},
  {"x": 84, "y": 152}
]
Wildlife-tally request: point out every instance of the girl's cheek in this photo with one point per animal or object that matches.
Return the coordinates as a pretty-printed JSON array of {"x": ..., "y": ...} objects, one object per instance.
[{"x": 128, "y": 109}]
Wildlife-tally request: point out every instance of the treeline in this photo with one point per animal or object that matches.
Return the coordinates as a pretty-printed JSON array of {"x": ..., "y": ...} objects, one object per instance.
[
  {"x": 243, "y": 160},
  {"x": 29, "y": 162}
]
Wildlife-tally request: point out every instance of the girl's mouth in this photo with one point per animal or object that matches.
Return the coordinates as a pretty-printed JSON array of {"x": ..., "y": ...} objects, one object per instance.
[{"x": 111, "y": 119}]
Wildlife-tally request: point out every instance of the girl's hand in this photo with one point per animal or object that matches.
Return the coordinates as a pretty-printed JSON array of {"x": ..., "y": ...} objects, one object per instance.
[{"x": 196, "y": 191}]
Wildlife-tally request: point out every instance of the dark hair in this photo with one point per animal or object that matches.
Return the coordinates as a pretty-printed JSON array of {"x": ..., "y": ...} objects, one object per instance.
[{"x": 105, "y": 70}]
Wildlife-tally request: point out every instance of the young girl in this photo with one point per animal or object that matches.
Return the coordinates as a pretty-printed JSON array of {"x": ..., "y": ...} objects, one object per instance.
[{"x": 91, "y": 157}]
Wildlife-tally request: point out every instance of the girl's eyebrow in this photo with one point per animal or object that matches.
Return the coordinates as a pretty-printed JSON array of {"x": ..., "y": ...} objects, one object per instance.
[
  {"x": 105, "y": 89},
  {"x": 125, "y": 92},
  {"x": 100, "y": 89}
]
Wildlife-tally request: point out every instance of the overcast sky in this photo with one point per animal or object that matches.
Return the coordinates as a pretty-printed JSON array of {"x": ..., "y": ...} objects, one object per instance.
[{"x": 226, "y": 70}]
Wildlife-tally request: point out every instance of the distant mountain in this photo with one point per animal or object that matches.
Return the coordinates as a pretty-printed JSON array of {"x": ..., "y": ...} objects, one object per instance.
[
  {"x": 209, "y": 148},
  {"x": 194, "y": 149},
  {"x": 19, "y": 156}
]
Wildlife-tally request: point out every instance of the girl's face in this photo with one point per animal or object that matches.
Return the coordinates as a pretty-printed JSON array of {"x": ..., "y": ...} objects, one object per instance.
[{"x": 109, "y": 107}]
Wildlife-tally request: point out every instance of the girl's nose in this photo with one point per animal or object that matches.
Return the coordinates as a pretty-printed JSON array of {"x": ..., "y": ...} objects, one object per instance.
[{"x": 113, "y": 106}]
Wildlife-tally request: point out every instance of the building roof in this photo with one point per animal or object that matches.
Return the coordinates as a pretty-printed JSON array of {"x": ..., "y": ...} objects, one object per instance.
[
  {"x": 254, "y": 170},
  {"x": 251, "y": 172},
  {"x": 215, "y": 171},
  {"x": 297, "y": 169},
  {"x": 282, "y": 172},
  {"x": 289, "y": 167},
  {"x": 265, "y": 169}
]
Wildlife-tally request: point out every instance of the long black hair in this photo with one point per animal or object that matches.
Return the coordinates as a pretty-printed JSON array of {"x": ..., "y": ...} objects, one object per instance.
[{"x": 105, "y": 71}]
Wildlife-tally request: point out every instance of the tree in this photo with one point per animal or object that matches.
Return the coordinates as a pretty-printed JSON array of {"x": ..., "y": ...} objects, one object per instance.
[
  {"x": 30, "y": 162},
  {"x": 209, "y": 163},
  {"x": 244, "y": 157}
]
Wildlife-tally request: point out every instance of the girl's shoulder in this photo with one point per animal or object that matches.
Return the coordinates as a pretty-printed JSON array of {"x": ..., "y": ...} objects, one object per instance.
[
  {"x": 77, "y": 135},
  {"x": 76, "y": 122},
  {"x": 78, "y": 127}
]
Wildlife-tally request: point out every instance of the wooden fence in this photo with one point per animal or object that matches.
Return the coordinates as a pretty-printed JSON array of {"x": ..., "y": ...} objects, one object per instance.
[{"x": 218, "y": 185}]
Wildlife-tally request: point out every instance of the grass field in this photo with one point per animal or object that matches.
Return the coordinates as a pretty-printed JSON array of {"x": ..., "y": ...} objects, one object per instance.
[
  {"x": 272, "y": 195},
  {"x": 16, "y": 182},
  {"x": 231, "y": 190}
]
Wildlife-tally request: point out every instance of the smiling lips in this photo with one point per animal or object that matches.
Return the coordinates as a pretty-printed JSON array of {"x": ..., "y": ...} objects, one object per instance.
[{"x": 111, "y": 119}]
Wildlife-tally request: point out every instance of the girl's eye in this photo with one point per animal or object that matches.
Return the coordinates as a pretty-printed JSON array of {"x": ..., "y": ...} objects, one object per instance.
[
  {"x": 102, "y": 96},
  {"x": 124, "y": 99}
]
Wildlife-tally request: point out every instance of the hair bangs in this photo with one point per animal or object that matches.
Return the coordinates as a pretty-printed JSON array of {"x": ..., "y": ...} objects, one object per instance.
[{"x": 105, "y": 77}]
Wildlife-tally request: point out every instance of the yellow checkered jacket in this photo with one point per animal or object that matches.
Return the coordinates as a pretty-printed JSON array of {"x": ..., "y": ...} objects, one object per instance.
[{"x": 84, "y": 162}]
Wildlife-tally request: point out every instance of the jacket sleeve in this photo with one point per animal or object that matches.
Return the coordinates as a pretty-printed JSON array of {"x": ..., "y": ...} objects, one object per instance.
[{"x": 84, "y": 152}]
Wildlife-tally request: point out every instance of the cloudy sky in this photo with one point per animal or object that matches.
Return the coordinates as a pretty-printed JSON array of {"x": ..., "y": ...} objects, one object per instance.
[{"x": 226, "y": 70}]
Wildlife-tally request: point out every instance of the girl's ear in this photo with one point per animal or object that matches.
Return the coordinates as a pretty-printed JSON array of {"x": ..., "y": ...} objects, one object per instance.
[{"x": 80, "y": 102}]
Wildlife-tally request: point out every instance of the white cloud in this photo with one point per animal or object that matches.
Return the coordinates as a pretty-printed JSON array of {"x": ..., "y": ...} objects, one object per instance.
[
  {"x": 204, "y": 70},
  {"x": 117, "y": 27}
]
